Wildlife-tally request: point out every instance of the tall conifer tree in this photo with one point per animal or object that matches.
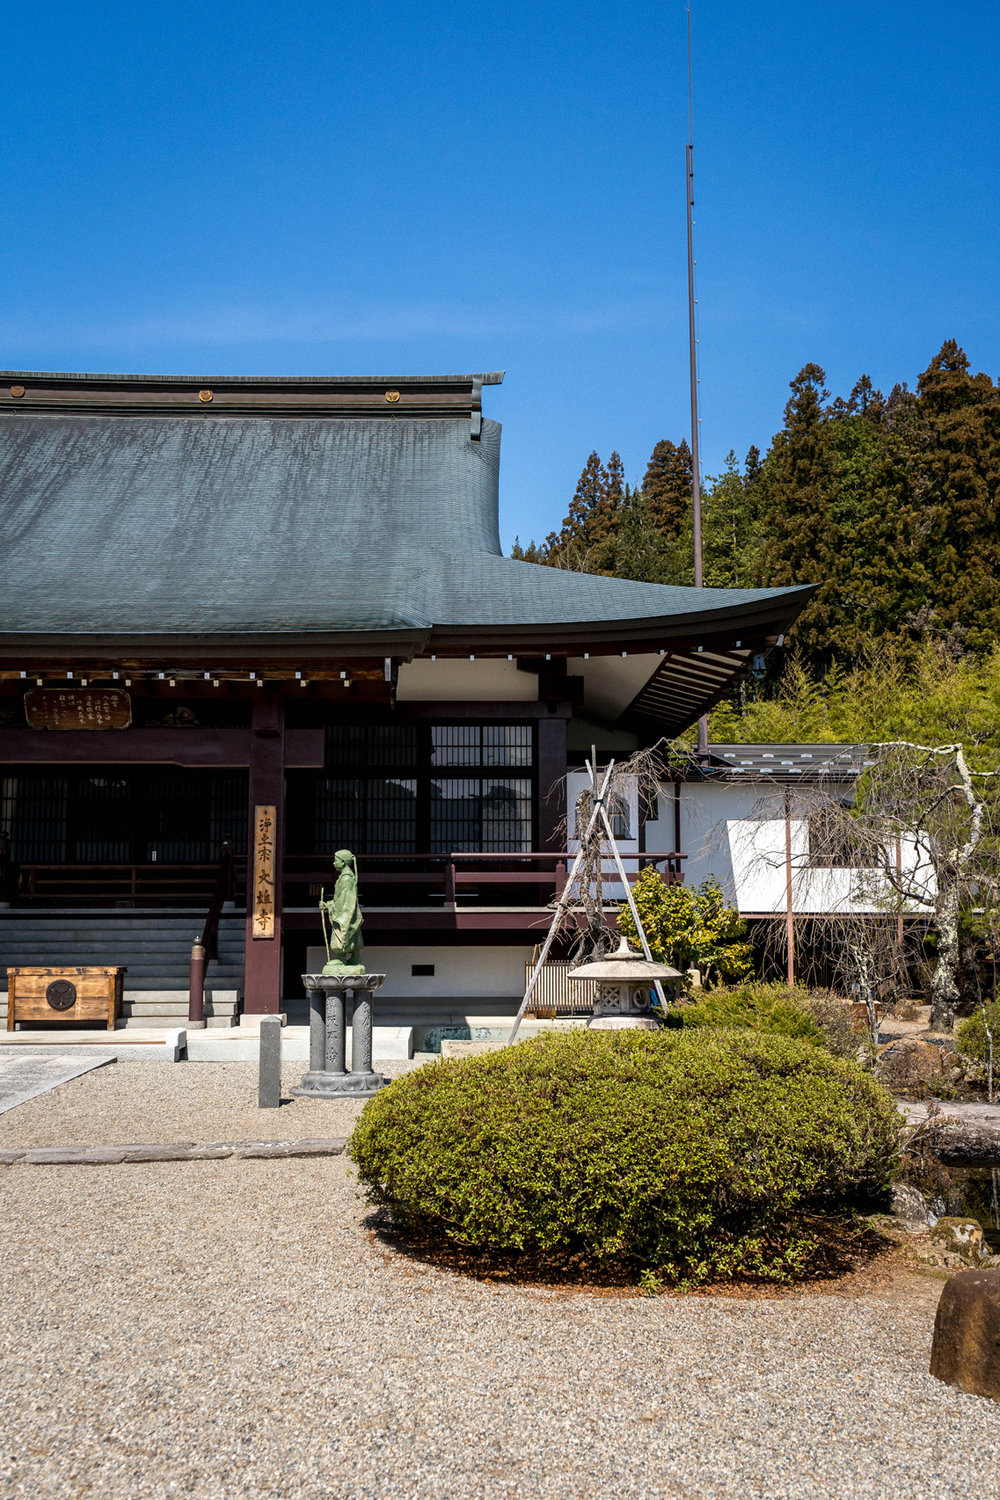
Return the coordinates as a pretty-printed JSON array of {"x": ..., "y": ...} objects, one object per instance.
[
  {"x": 799, "y": 490},
  {"x": 668, "y": 487},
  {"x": 958, "y": 425},
  {"x": 586, "y": 542}
]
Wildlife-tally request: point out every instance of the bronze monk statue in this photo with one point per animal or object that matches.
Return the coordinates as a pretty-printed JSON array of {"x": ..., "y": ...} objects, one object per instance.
[{"x": 343, "y": 914}]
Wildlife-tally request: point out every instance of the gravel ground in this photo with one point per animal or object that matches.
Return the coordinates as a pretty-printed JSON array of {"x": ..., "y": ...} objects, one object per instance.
[
  {"x": 160, "y": 1101},
  {"x": 232, "y": 1328}
]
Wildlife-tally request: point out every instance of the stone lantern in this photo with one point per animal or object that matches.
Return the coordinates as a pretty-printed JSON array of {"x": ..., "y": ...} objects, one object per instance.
[{"x": 624, "y": 980}]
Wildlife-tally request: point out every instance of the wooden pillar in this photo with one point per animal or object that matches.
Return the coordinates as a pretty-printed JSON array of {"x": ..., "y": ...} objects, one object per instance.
[
  {"x": 552, "y": 782},
  {"x": 265, "y": 854}
]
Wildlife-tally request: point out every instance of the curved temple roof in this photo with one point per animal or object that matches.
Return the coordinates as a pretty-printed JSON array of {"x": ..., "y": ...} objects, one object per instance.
[{"x": 352, "y": 516}]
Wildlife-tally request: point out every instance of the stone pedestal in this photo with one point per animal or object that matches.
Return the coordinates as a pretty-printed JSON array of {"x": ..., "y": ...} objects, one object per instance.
[{"x": 328, "y": 1077}]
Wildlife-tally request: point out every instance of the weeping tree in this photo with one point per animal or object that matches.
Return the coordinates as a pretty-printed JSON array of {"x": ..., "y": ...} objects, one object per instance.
[
  {"x": 918, "y": 837},
  {"x": 925, "y": 820},
  {"x": 915, "y": 839},
  {"x": 581, "y": 910}
]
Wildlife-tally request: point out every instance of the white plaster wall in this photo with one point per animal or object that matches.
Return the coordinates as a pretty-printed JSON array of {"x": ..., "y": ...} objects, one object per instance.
[
  {"x": 484, "y": 972},
  {"x": 724, "y": 834},
  {"x": 760, "y": 865},
  {"x": 577, "y": 782},
  {"x": 472, "y": 681},
  {"x": 706, "y": 809}
]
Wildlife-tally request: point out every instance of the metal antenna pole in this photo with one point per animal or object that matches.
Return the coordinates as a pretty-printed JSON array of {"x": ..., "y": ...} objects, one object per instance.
[{"x": 699, "y": 580}]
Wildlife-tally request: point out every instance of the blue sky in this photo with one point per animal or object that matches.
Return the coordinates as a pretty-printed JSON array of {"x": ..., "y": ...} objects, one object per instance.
[{"x": 317, "y": 188}]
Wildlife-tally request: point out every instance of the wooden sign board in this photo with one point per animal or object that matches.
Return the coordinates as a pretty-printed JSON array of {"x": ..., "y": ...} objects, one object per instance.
[
  {"x": 264, "y": 824},
  {"x": 77, "y": 708}
]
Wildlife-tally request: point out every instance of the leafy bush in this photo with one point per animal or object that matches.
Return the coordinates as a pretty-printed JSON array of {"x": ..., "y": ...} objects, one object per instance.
[
  {"x": 687, "y": 925},
  {"x": 780, "y": 1008},
  {"x": 971, "y": 1037},
  {"x": 834, "y": 1016},
  {"x": 789, "y": 1010},
  {"x": 702, "y": 1156}
]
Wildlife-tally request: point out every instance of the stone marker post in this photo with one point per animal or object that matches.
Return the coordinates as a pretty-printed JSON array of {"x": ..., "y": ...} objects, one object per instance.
[
  {"x": 269, "y": 1071},
  {"x": 336, "y": 1033}
]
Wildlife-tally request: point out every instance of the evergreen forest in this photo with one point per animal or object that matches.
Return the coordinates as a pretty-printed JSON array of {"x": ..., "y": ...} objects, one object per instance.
[{"x": 890, "y": 504}]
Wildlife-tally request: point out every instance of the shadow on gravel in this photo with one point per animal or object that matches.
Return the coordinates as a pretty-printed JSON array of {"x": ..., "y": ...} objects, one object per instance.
[{"x": 852, "y": 1257}]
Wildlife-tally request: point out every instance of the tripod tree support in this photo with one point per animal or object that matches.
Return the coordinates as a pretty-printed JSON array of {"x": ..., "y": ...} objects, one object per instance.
[{"x": 598, "y": 817}]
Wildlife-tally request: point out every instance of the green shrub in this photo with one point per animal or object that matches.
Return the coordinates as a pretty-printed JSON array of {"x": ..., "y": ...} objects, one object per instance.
[
  {"x": 703, "y": 1155},
  {"x": 687, "y": 925},
  {"x": 971, "y": 1038},
  {"x": 843, "y": 1035},
  {"x": 789, "y": 1010},
  {"x": 779, "y": 1008}
]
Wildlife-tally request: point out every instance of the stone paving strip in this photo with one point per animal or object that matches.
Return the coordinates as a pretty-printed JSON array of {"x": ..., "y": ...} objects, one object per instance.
[{"x": 114, "y": 1156}]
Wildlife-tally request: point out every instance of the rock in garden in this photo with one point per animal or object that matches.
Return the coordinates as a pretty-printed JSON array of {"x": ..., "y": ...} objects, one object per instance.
[
  {"x": 952, "y": 1244},
  {"x": 911, "y": 1064},
  {"x": 910, "y": 1205},
  {"x": 966, "y": 1347}
]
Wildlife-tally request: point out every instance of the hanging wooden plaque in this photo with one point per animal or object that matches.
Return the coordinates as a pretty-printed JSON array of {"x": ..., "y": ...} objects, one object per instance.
[
  {"x": 77, "y": 708},
  {"x": 264, "y": 823}
]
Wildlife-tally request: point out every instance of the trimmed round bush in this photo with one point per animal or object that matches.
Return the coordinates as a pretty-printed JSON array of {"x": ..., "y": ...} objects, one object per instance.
[{"x": 703, "y": 1154}]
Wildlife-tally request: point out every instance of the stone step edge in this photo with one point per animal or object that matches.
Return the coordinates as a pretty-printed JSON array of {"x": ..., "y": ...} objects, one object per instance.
[{"x": 107, "y": 1156}]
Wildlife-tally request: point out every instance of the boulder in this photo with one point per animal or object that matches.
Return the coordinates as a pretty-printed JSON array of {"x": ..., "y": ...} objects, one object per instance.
[
  {"x": 966, "y": 1348},
  {"x": 952, "y": 1244},
  {"x": 910, "y": 1064},
  {"x": 909, "y": 1205},
  {"x": 963, "y": 1141}
]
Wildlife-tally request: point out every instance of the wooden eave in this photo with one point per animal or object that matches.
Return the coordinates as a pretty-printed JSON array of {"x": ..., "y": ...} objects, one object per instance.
[
  {"x": 736, "y": 628},
  {"x": 222, "y": 395}
]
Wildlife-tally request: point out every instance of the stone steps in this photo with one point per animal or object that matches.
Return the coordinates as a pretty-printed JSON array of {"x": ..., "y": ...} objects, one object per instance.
[
  {"x": 153, "y": 946},
  {"x": 169, "y": 1008}
]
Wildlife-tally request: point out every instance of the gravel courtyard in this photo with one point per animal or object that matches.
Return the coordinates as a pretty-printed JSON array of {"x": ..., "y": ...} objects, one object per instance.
[{"x": 231, "y": 1328}]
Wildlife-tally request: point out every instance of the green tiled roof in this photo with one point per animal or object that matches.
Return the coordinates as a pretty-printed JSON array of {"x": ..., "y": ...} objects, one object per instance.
[{"x": 218, "y": 524}]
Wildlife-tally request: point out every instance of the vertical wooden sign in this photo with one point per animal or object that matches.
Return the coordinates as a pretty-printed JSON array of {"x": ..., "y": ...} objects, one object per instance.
[{"x": 264, "y": 823}]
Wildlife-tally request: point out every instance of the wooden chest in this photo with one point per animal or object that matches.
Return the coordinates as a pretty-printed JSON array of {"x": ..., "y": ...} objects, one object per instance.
[{"x": 35, "y": 996}]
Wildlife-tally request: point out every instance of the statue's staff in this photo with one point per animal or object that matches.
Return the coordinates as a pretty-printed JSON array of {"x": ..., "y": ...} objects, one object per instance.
[{"x": 322, "y": 918}]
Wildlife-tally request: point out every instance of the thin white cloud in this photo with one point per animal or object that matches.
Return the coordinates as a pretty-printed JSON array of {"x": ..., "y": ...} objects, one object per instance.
[{"x": 325, "y": 325}]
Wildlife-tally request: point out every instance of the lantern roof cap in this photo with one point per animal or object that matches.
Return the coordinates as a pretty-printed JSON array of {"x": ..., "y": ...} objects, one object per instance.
[{"x": 624, "y": 967}]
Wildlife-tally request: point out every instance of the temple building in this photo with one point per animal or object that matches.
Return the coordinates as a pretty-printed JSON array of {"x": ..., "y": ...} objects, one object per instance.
[{"x": 247, "y": 622}]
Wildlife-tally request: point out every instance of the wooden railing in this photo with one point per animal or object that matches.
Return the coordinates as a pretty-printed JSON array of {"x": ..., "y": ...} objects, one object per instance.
[
  {"x": 481, "y": 878},
  {"x": 154, "y": 884},
  {"x": 225, "y": 886}
]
